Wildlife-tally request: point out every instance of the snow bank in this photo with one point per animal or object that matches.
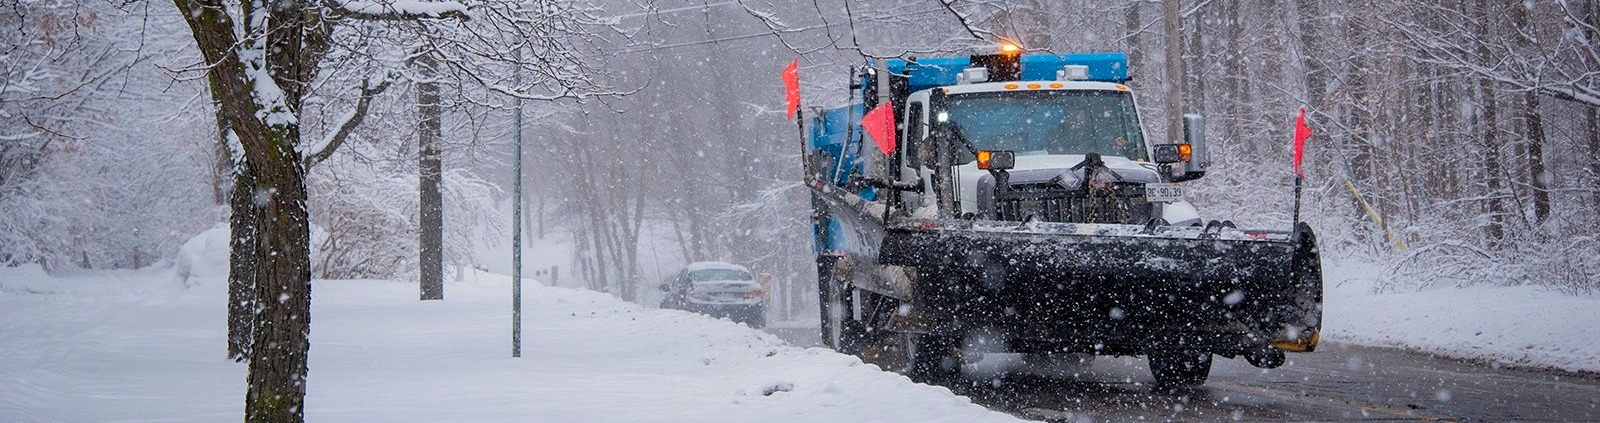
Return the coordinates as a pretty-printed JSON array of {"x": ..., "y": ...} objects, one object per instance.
[
  {"x": 136, "y": 346},
  {"x": 205, "y": 257},
  {"x": 1524, "y": 325}
]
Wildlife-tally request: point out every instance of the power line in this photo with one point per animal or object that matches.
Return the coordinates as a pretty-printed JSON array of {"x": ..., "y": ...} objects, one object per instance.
[
  {"x": 674, "y": 10},
  {"x": 760, "y": 34}
]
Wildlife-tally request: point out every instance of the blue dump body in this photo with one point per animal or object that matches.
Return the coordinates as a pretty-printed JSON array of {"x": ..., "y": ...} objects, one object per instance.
[{"x": 836, "y": 133}]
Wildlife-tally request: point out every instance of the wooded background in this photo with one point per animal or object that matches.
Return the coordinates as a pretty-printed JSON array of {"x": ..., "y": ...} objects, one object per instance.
[{"x": 1469, "y": 127}]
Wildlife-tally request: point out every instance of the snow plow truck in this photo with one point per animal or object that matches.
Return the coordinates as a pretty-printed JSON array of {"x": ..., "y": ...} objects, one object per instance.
[{"x": 1021, "y": 206}]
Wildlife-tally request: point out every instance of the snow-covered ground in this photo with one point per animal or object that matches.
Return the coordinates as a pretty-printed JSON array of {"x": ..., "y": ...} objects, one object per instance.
[
  {"x": 148, "y": 345},
  {"x": 1522, "y": 325}
]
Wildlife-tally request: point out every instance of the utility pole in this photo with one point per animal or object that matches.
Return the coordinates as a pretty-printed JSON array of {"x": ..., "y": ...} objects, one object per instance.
[{"x": 516, "y": 213}]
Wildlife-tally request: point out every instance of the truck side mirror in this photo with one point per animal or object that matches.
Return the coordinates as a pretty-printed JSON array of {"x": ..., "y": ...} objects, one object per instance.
[{"x": 1194, "y": 134}]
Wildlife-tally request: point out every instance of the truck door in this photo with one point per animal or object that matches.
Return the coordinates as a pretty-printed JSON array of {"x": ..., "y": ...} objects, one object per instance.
[{"x": 910, "y": 168}]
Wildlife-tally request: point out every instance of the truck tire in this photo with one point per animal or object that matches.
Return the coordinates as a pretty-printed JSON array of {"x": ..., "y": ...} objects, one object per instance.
[
  {"x": 835, "y": 308},
  {"x": 932, "y": 358},
  {"x": 1180, "y": 368}
]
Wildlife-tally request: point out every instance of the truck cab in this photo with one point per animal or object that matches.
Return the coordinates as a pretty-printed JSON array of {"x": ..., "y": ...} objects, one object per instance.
[{"x": 1049, "y": 126}]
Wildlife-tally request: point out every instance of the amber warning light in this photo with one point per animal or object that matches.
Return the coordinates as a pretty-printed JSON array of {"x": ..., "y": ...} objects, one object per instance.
[
  {"x": 1173, "y": 153},
  {"x": 996, "y": 160}
]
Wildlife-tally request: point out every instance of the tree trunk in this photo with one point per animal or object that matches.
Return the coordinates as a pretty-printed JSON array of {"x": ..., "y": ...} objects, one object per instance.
[
  {"x": 1310, "y": 55},
  {"x": 1356, "y": 115},
  {"x": 283, "y": 280},
  {"x": 1489, "y": 128},
  {"x": 1132, "y": 28},
  {"x": 1235, "y": 77},
  {"x": 540, "y": 215},
  {"x": 1195, "y": 64},
  {"x": 1593, "y": 126},
  {"x": 431, "y": 204},
  {"x": 1534, "y": 124},
  {"x": 632, "y": 263},
  {"x": 268, "y": 133},
  {"x": 1172, "y": 22},
  {"x": 242, "y": 263},
  {"x": 222, "y": 167},
  {"x": 1491, "y": 161}
]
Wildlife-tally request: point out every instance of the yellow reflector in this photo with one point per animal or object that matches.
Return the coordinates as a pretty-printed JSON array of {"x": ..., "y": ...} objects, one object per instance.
[
  {"x": 1056, "y": 85},
  {"x": 1033, "y": 86},
  {"x": 1299, "y": 345},
  {"x": 1121, "y": 87},
  {"x": 1011, "y": 86},
  {"x": 983, "y": 159}
]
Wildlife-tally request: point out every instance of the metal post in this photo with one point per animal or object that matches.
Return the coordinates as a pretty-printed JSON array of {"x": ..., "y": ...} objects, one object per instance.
[
  {"x": 516, "y": 217},
  {"x": 805, "y": 150},
  {"x": 1296, "y": 215}
]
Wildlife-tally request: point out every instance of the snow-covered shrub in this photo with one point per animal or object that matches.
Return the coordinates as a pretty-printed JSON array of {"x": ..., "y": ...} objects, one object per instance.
[{"x": 367, "y": 213}]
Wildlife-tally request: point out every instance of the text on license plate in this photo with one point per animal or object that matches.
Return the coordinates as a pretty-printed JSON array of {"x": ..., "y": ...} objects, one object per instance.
[{"x": 1163, "y": 193}]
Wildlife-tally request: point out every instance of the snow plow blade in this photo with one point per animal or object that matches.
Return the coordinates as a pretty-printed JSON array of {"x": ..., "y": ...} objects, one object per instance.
[
  {"x": 1127, "y": 286},
  {"x": 1095, "y": 288}
]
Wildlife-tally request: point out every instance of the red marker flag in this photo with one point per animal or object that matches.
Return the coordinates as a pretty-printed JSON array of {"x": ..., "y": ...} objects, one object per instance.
[
  {"x": 1301, "y": 132},
  {"x": 791, "y": 85},
  {"x": 879, "y": 123}
]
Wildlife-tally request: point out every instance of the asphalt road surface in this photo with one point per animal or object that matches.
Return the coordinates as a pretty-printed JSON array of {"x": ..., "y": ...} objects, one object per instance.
[{"x": 1337, "y": 383}]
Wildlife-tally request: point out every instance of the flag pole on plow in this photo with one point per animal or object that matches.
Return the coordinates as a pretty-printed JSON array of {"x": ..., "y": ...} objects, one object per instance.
[
  {"x": 1301, "y": 132},
  {"x": 791, "y": 90}
]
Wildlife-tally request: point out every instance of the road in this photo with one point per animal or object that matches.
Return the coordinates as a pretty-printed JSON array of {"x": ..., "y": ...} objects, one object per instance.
[{"x": 1339, "y": 382}]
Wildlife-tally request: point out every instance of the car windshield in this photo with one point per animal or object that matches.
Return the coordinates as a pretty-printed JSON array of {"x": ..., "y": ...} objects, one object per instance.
[
  {"x": 1049, "y": 122},
  {"x": 719, "y": 275}
]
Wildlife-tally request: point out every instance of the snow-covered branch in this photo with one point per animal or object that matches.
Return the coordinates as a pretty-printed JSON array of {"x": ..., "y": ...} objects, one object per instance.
[
  {"x": 349, "y": 122},
  {"x": 398, "y": 10}
]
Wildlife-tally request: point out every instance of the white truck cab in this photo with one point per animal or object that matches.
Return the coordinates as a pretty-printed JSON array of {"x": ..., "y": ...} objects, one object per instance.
[{"x": 1049, "y": 125}]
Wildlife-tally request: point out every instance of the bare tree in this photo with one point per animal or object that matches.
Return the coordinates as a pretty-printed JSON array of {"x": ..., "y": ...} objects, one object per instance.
[{"x": 261, "y": 58}]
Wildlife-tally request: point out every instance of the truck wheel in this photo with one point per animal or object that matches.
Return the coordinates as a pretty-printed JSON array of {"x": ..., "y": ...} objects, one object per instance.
[
  {"x": 852, "y": 334},
  {"x": 1180, "y": 368},
  {"x": 840, "y": 330},
  {"x": 932, "y": 358}
]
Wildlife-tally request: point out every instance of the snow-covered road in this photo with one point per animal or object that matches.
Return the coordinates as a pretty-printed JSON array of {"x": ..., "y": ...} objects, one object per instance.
[{"x": 1339, "y": 382}]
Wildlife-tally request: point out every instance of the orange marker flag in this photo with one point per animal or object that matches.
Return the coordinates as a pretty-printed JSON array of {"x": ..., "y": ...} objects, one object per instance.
[
  {"x": 1301, "y": 132},
  {"x": 879, "y": 123},
  {"x": 791, "y": 85}
]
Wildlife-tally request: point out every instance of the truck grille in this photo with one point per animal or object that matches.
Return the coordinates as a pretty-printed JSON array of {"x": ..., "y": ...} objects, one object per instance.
[{"x": 1122, "y": 203}]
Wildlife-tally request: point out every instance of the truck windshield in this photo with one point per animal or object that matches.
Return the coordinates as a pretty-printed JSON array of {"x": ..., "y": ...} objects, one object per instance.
[{"x": 1049, "y": 122}]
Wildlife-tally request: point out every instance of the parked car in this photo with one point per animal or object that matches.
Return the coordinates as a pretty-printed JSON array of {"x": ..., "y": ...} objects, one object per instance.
[{"x": 717, "y": 289}]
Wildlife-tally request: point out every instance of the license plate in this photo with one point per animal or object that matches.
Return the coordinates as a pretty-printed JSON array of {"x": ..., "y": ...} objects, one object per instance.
[{"x": 1163, "y": 193}]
